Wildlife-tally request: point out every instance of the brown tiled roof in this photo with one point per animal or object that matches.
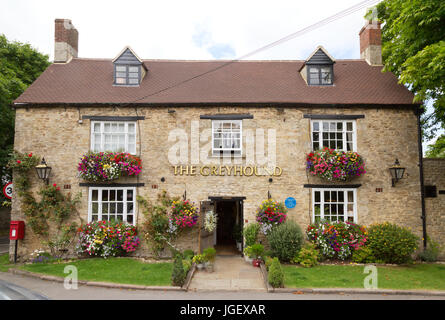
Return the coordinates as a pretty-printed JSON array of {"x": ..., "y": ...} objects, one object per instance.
[{"x": 90, "y": 81}]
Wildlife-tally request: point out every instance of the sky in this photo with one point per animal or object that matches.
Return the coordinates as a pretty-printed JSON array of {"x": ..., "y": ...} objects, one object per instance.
[
  {"x": 192, "y": 30},
  {"x": 187, "y": 30}
]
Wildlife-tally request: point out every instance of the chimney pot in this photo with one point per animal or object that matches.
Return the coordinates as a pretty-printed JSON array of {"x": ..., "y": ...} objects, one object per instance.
[
  {"x": 66, "y": 40},
  {"x": 371, "y": 43}
]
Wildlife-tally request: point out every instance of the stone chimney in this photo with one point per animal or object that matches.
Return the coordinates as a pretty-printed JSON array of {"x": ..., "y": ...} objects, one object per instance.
[
  {"x": 371, "y": 43},
  {"x": 66, "y": 41}
]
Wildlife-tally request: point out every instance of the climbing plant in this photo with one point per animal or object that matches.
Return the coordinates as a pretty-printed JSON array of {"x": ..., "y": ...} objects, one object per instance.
[{"x": 53, "y": 206}]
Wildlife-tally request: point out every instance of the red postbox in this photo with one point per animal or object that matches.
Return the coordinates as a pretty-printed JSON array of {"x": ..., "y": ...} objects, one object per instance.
[{"x": 17, "y": 230}]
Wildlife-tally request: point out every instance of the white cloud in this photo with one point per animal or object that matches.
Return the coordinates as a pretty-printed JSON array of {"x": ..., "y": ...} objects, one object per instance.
[{"x": 166, "y": 29}]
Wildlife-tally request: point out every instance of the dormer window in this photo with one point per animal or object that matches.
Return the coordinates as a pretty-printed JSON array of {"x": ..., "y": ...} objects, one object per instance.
[
  {"x": 129, "y": 70},
  {"x": 127, "y": 74},
  {"x": 319, "y": 75},
  {"x": 318, "y": 69}
]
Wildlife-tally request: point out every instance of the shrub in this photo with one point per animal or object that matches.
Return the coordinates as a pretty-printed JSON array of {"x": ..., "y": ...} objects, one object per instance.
[
  {"x": 276, "y": 275},
  {"x": 285, "y": 240},
  {"x": 178, "y": 273},
  {"x": 251, "y": 233},
  {"x": 188, "y": 254},
  {"x": 431, "y": 253},
  {"x": 268, "y": 262},
  {"x": 257, "y": 250},
  {"x": 363, "y": 255},
  {"x": 187, "y": 264},
  {"x": 308, "y": 256},
  {"x": 209, "y": 254},
  {"x": 391, "y": 243},
  {"x": 270, "y": 214},
  {"x": 338, "y": 239},
  {"x": 107, "y": 238}
]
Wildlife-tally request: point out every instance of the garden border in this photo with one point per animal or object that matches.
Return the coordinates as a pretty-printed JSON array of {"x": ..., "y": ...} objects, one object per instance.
[{"x": 270, "y": 289}]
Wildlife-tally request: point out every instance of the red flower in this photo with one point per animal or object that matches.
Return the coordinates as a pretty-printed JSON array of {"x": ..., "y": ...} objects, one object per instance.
[
  {"x": 58, "y": 188},
  {"x": 18, "y": 161},
  {"x": 54, "y": 185},
  {"x": 30, "y": 155}
]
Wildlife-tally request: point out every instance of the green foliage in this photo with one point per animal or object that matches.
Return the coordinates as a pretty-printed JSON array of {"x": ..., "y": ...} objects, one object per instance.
[
  {"x": 210, "y": 254},
  {"x": 436, "y": 150},
  {"x": 156, "y": 227},
  {"x": 276, "y": 274},
  {"x": 268, "y": 262},
  {"x": 414, "y": 49},
  {"x": 178, "y": 273},
  {"x": 308, "y": 256},
  {"x": 199, "y": 258},
  {"x": 188, "y": 254},
  {"x": 285, "y": 240},
  {"x": 432, "y": 251},
  {"x": 257, "y": 250},
  {"x": 20, "y": 65},
  {"x": 187, "y": 264},
  {"x": 251, "y": 233},
  {"x": 391, "y": 243},
  {"x": 363, "y": 255}
]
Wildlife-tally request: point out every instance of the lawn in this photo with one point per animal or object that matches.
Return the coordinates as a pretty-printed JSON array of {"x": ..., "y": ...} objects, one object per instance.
[
  {"x": 418, "y": 276},
  {"x": 4, "y": 263},
  {"x": 117, "y": 270}
]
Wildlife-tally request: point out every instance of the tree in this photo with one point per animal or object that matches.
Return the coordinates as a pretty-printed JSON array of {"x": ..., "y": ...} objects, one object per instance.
[
  {"x": 437, "y": 150},
  {"x": 413, "y": 48},
  {"x": 20, "y": 65}
]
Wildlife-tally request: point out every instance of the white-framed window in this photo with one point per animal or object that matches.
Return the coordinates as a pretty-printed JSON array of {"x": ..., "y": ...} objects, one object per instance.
[
  {"x": 227, "y": 137},
  {"x": 336, "y": 204},
  {"x": 114, "y": 136},
  {"x": 334, "y": 134},
  {"x": 112, "y": 203}
]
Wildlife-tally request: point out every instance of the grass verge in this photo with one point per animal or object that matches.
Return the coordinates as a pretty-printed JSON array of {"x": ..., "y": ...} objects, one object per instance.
[
  {"x": 412, "y": 277},
  {"x": 116, "y": 270}
]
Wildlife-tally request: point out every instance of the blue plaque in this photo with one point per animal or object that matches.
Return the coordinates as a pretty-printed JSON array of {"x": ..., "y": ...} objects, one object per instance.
[{"x": 290, "y": 202}]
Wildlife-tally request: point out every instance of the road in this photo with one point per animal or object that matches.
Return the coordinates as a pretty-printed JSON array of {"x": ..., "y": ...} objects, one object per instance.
[{"x": 41, "y": 289}]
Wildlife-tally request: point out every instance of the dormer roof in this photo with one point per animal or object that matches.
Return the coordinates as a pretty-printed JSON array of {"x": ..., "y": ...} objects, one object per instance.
[
  {"x": 128, "y": 57},
  {"x": 320, "y": 56}
]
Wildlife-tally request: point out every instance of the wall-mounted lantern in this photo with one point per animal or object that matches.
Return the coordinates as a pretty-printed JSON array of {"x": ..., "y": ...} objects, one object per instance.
[
  {"x": 396, "y": 172},
  {"x": 43, "y": 171}
]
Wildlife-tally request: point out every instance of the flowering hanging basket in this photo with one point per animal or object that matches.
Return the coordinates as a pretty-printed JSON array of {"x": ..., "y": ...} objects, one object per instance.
[
  {"x": 270, "y": 213},
  {"x": 331, "y": 165},
  {"x": 183, "y": 214},
  {"x": 108, "y": 166}
]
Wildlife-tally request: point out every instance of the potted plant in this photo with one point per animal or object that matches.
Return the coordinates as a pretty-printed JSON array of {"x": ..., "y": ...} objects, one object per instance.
[
  {"x": 238, "y": 236},
  {"x": 248, "y": 255},
  {"x": 257, "y": 251},
  {"x": 199, "y": 260},
  {"x": 209, "y": 254}
]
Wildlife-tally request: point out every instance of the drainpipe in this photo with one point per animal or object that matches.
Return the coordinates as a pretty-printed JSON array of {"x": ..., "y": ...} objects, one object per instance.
[{"x": 422, "y": 189}]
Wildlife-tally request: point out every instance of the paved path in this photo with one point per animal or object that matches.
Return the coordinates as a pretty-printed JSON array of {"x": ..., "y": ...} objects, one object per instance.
[{"x": 230, "y": 273}]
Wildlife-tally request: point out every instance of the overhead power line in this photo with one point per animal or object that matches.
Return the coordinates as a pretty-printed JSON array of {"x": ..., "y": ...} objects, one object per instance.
[{"x": 298, "y": 33}]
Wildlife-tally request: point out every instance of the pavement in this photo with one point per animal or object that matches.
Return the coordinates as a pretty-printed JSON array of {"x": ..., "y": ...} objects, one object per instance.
[{"x": 231, "y": 273}]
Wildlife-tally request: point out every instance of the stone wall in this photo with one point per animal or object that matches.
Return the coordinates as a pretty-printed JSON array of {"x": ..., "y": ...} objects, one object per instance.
[
  {"x": 434, "y": 175},
  {"x": 382, "y": 136}
]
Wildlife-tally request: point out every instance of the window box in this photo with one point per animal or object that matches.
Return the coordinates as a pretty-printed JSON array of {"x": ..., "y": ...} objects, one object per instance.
[
  {"x": 334, "y": 165},
  {"x": 108, "y": 166}
]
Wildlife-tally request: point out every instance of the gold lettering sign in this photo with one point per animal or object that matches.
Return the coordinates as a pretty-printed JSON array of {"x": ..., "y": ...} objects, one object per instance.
[{"x": 190, "y": 170}]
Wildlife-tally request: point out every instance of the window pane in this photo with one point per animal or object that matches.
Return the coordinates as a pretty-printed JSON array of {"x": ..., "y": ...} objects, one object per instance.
[
  {"x": 339, "y": 126},
  {"x": 317, "y": 196},
  {"x": 130, "y": 208},
  {"x": 104, "y": 208},
  {"x": 133, "y": 81},
  {"x": 121, "y": 68},
  {"x": 325, "y": 126},
  {"x": 349, "y": 126},
  {"x": 94, "y": 195},
  {"x": 350, "y": 196},
  {"x": 327, "y": 196},
  {"x": 94, "y": 208},
  {"x": 120, "y": 195},
  {"x": 316, "y": 146},
  {"x": 113, "y": 207},
  {"x": 133, "y": 75},
  {"x": 107, "y": 127},
  {"x": 120, "y": 208},
  {"x": 315, "y": 136},
  {"x": 341, "y": 196},
  {"x": 316, "y": 126},
  {"x": 131, "y": 128},
  {"x": 130, "y": 195},
  {"x": 334, "y": 196},
  {"x": 121, "y": 80},
  {"x": 130, "y": 219},
  {"x": 133, "y": 69},
  {"x": 121, "y": 74},
  {"x": 104, "y": 195}
]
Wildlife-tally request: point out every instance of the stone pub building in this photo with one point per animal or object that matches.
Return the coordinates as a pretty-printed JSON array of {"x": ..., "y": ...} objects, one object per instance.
[{"x": 182, "y": 117}]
